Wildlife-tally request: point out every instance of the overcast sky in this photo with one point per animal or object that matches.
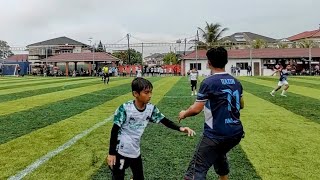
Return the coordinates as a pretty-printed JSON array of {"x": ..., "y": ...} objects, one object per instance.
[{"x": 28, "y": 21}]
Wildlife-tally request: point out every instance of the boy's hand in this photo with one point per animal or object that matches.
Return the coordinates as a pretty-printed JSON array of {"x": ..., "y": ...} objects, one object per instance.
[
  {"x": 111, "y": 160},
  {"x": 182, "y": 115},
  {"x": 188, "y": 131}
]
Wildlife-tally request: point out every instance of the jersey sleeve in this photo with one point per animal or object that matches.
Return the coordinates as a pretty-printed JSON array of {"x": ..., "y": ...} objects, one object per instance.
[
  {"x": 120, "y": 116},
  {"x": 156, "y": 115},
  {"x": 203, "y": 93}
]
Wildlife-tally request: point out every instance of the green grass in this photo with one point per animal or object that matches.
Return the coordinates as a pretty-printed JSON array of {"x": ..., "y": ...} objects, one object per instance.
[
  {"x": 303, "y": 91},
  {"x": 31, "y": 87},
  {"x": 281, "y": 133},
  {"x": 26, "y": 149},
  {"x": 279, "y": 143},
  {"x": 25, "y": 94},
  {"x": 89, "y": 153},
  {"x": 301, "y": 105},
  {"x": 35, "y": 82},
  {"x": 167, "y": 153},
  {"x": 43, "y": 99},
  {"x": 308, "y": 77},
  {"x": 18, "y": 124},
  {"x": 294, "y": 81}
]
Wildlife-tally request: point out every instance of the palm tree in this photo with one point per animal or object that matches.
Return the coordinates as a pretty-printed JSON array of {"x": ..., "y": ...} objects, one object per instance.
[
  {"x": 306, "y": 43},
  {"x": 211, "y": 35},
  {"x": 259, "y": 44},
  {"x": 282, "y": 45}
]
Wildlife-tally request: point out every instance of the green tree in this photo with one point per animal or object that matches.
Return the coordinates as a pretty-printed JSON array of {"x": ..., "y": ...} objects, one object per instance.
[
  {"x": 259, "y": 44},
  {"x": 211, "y": 35},
  {"x": 170, "y": 58},
  {"x": 306, "y": 43},
  {"x": 282, "y": 45},
  {"x": 135, "y": 56},
  {"x": 5, "y": 50}
]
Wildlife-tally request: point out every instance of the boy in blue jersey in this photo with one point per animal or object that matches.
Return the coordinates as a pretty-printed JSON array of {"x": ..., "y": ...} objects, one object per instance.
[
  {"x": 220, "y": 96},
  {"x": 284, "y": 73},
  {"x": 130, "y": 121}
]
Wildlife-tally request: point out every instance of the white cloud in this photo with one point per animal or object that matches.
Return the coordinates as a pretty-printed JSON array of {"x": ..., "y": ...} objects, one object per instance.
[{"x": 24, "y": 22}]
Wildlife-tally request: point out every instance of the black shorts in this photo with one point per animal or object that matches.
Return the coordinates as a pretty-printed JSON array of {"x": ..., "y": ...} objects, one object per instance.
[
  {"x": 210, "y": 153},
  {"x": 122, "y": 163},
  {"x": 105, "y": 75},
  {"x": 193, "y": 83}
]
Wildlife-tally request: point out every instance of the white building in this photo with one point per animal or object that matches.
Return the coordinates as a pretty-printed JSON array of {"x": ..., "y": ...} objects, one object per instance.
[{"x": 262, "y": 61}]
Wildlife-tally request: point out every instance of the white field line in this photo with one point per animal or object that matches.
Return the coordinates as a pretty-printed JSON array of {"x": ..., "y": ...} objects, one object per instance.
[{"x": 55, "y": 152}]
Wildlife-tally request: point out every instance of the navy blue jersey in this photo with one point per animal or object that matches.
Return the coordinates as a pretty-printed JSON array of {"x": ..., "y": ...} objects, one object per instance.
[
  {"x": 284, "y": 75},
  {"x": 222, "y": 93}
]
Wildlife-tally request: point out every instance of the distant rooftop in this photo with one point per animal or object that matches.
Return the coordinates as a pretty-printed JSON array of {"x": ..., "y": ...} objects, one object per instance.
[
  {"x": 247, "y": 37},
  {"x": 60, "y": 41},
  {"x": 305, "y": 35}
]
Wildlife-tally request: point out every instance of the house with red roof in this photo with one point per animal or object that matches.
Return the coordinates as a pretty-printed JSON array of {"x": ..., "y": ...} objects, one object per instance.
[
  {"x": 262, "y": 61},
  {"x": 307, "y": 35},
  {"x": 86, "y": 60}
]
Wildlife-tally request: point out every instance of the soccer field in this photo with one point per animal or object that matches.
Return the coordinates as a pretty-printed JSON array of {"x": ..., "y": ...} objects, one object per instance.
[{"x": 59, "y": 128}]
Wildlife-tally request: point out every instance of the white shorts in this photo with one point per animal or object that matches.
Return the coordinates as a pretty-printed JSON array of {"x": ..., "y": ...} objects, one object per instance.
[{"x": 284, "y": 82}]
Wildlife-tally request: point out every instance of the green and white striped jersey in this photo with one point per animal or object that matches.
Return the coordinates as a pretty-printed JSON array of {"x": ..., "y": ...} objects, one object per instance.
[{"x": 132, "y": 123}]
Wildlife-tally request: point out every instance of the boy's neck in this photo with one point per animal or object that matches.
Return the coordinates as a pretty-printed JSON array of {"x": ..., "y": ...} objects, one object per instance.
[
  {"x": 218, "y": 70},
  {"x": 139, "y": 105}
]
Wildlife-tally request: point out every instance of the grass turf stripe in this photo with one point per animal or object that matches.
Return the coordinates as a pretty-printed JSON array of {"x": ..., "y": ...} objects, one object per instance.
[
  {"x": 279, "y": 143},
  {"x": 40, "y": 100},
  {"x": 20, "y": 79},
  {"x": 90, "y": 151},
  {"x": 15, "y": 81},
  {"x": 308, "y": 77},
  {"x": 295, "y": 81},
  {"x": 35, "y": 83},
  {"x": 293, "y": 88},
  {"x": 47, "y": 89},
  {"x": 24, "y": 88},
  {"x": 301, "y": 105},
  {"x": 311, "y": 81},
  {"x": 24, "y": 122},
  {"x": 39, "y": 142}
]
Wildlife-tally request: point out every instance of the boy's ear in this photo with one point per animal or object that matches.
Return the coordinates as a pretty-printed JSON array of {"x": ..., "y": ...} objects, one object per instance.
[
  {"x": 209, "y": 63},
  {"x": 135, "y": 93}
]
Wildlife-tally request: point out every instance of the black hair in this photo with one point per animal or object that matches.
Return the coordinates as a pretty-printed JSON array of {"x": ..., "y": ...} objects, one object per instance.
[
  {"x": 139, "y": 84},
  {"x": 218, "y": 57}
]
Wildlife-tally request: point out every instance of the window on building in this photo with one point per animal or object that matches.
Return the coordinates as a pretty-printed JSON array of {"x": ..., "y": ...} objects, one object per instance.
[
  {"x": 66, "y": 51},
  {"x": 194, "y": 65},
  {"x": 242, "y": 66}
]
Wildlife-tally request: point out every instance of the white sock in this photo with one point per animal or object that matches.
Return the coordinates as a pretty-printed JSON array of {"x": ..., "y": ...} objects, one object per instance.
[
  {"x": 283, "y": 92},
  {"x": 272, "y": 91}
]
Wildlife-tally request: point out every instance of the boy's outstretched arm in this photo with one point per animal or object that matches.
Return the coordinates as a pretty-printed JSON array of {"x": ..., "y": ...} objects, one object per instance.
[
  {"x": 174, "y": 126},
  {"x": 193, "y": 110}
]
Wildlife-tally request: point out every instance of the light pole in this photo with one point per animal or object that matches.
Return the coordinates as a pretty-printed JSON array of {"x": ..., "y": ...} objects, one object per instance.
[
  {"x": 310, "y": 58},
  {"x": 251, "y": 59},
  {"x": 93, "y": 49}
]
